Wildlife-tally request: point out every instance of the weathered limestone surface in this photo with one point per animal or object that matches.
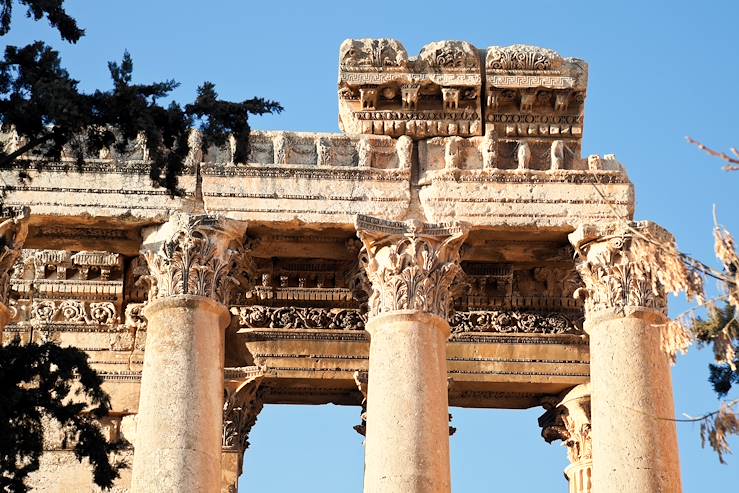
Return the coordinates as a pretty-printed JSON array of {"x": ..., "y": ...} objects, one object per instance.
[
  {"x": 193, "y": 263},
  {"x": 112, "y": 190},
  {"x": 568, "y": 418},
  {"x": 410, "y": 268},
  {"x": 417, "y": 260},
  {"x": 634, "y": 438},
  {"x": 407, "y": 446}
]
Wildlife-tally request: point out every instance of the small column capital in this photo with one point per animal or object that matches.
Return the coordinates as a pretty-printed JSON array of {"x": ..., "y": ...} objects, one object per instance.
[
  {"x": 567, "y": 418},
  {"x": 410, "y": 265},
  {"x": 242, "y": 404},
  {"x": 617, "y": 264},
  {"x": 200, "y": 255}
]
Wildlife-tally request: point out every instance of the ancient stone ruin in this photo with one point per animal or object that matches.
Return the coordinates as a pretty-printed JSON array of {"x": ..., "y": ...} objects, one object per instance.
[{"x": 450, "y": 248}]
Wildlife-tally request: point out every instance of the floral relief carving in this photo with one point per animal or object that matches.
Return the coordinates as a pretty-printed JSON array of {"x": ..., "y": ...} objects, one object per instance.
[
  {"x": 291, "y": 317},
  {"x": 522, "y": 57},
  {"x": 410, "y": 266},
  {"x": 200, "y": 255},
  {"x": 618, "y": 279},
  {"x": 450, "y": 54},
  {"x": 376, "y": 53},
  {"x": 242, "y": 404},
  {"x": 513, "y": 321},
  {"x": 102, "y": 313},
  {"x": 73, "y": 312},
  {"x": 43, "y": 311}
]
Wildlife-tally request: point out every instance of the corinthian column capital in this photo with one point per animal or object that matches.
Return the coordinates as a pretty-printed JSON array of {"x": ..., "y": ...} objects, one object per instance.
[
  {"x": 620, "y": 268},
  {"x": 200, "y": 255},
  {"x": 409, "y": 265},
  {"x": 568, "y": 419}
]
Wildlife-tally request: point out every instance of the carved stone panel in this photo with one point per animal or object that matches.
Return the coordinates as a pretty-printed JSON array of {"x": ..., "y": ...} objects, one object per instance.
[
  {"x": 13, "y": 232},
  {"x": 382, "y": 91},
  {"x": 59, "y": 287}
]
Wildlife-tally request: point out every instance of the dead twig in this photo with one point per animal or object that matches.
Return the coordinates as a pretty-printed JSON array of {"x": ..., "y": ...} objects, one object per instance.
[{"x": 733, "y": 162}]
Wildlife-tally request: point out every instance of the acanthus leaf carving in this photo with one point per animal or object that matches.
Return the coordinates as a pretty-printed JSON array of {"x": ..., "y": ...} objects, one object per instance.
[
  {"x": 513, "y": 321},
  {"x": 618, "y": 279},
  {"x": 410, "y": 266},
  {"x": 290, "y": 317},
  {"x": 242, "y": 404},
  {"x": 374, "y": 53},
  {"x": 199, "y": 255},
  {"x": 567, "y": 418},
  {"x": 522, "y": 57}
]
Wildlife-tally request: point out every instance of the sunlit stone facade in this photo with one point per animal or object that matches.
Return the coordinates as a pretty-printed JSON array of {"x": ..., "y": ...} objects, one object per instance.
[{"x": 427, "y": 257}]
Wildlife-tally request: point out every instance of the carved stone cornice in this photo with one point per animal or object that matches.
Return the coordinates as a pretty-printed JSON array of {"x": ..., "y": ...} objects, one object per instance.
[
  {"x": 13, "y": 232},
  {"x": 620, "y": 278},
  {"x": 410, "y": 265},
  {"x": 568, "y": 419},
  {"x": 199, "y": 255}
]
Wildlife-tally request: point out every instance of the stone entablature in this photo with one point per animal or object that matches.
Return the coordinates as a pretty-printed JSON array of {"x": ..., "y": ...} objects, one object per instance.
[
  {"x": 457, "y": 179},
  {"x": 435, "y": 228}
]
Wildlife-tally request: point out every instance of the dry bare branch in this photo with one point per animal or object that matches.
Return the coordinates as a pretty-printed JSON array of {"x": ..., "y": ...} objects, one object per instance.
[{"x": 733, "y": 162}]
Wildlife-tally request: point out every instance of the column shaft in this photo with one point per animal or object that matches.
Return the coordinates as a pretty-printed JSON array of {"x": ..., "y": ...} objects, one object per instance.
[
  {"x": 634, "y": 442},
  {"x": 407, "y": 447},
  {"x": 410, "y": 268},
  {"x": 178, "y": 436},
  {"x": 634, "y": 437},
  {"x": 193, "y": 263}
]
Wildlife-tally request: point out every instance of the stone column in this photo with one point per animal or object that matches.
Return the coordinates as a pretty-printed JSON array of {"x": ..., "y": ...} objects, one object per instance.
[
  {"x": 634, "y": 438},
  {"x": 13, "y": 232},
  {"x": 568, "y": 419},
  {"x": 193, "y": 262},
  {"x": 410, "y": 267}
]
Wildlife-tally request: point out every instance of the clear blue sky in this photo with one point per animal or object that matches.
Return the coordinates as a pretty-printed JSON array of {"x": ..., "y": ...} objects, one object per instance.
[{"x": 659, "y": 71}]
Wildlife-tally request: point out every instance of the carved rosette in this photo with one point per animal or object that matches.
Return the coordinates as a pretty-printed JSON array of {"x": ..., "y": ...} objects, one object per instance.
[
  {"x": 568, "y": 419},
  {"x": 196, "y": 255},
  {"x": 619, "y": 279},
  {"x": 410, "y": 266},
  {"x": 13, "y": 232}
]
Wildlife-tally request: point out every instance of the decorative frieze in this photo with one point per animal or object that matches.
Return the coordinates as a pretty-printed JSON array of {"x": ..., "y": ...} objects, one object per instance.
[
  {"x": 196, "y": 255},
  {"x": 70, "y": 312},
  {"x": 66, "y": 288},
  {"x": 411, "y": 265},
  {"x": 513, "y": 321},
  {"x": 291, "y": 317}
]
